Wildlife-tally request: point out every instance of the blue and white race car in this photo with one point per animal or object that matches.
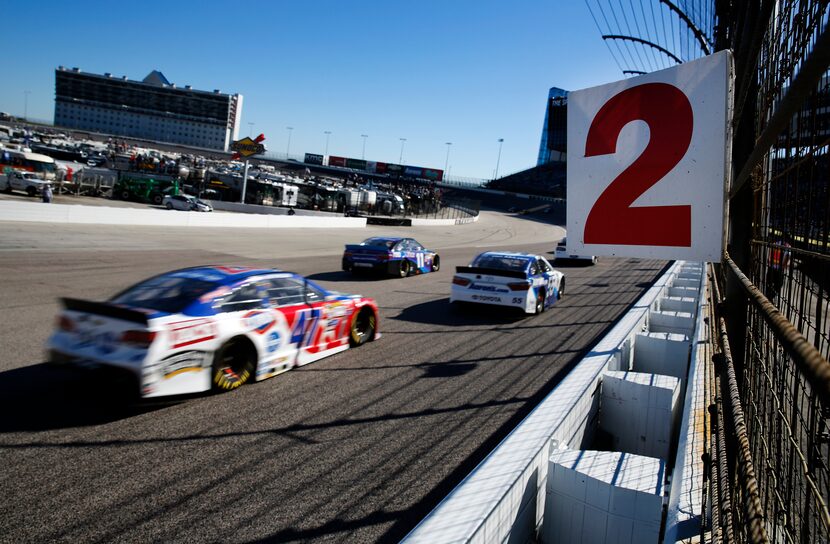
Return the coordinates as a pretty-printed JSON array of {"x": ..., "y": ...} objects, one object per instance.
[
  {"x": 194, "y": 329},
  {"x": 517, "y": 280},
  {"x": 388, "y": 255}
]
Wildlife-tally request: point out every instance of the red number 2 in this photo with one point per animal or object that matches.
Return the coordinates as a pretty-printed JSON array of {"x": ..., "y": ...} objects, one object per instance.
[{"x": 669, "y": 116}]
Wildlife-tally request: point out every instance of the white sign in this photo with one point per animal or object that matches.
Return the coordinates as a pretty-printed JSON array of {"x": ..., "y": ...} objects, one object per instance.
[{"x": 647, "y": 163}]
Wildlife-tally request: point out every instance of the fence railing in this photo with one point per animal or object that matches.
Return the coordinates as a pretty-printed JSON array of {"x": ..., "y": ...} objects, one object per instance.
[{"x": 770, "y": 472}]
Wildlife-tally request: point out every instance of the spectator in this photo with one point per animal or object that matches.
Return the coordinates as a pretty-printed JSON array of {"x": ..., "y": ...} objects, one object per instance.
[
  {"x": 291, "y": 210},
  {"x": 47, "y": 193}
]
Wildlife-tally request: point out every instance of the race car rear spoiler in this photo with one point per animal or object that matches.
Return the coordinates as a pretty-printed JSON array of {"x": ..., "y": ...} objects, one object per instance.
[
  {"x": 359, "y": 247},
  {"x": 104, "y": 309},
  {"x": 490, "y": 272}
]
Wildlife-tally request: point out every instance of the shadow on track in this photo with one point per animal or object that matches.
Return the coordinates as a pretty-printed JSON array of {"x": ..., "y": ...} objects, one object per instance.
[
  {"x": 441, "y": 312},
  {"x": 342, "y": 276},
  {"x": 44, "y": 397}
]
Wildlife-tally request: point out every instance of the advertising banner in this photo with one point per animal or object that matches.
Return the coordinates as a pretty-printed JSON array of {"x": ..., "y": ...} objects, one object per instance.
[
  {"x": 337, "y": 161},
  {"x": 311, "y": 158}
]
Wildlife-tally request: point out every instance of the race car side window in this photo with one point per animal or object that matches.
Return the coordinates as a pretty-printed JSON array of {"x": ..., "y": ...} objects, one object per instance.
[
  {"x": 534, "y": 268},
  {"x": 245, "y": 297},
  {"x": 285, "y": 292},
  {"x": 545, "y": 266},
  {"x": 312, "y": 294},
  {"x": 415, "y": 246}
]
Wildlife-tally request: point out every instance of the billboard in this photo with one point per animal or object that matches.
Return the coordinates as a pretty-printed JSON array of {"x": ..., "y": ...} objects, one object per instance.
[
  {"x": 337, "y": 161},
  {"x": 312, "y": 158},
  {"x": 357, "y": 164}
]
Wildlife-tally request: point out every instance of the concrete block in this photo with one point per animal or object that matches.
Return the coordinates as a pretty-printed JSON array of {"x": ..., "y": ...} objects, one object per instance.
[
  {"x": 639, "y": 410},
  {"x": 662, "y": 353},
  {"x": 669, "y": 321},
  {"x": 633, "y": 485}
]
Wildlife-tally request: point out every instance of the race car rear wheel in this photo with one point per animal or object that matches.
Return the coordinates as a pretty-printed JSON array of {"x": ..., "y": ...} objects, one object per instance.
[
  {"x": 561, "y": 289},
  {"x": 540, "y": 303},
  {"x": 403, "y": 270},
  {"x": 234, "y": 364},
  {"x": 436, "y": 263},
  {"x": 363, "y": 327},
  {"x": 169, "y": 206}
]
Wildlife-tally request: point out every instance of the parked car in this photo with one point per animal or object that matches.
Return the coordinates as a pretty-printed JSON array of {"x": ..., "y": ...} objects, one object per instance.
[
  {"x": 23, "y": 181},
  {"x": 186, "y": 203}
]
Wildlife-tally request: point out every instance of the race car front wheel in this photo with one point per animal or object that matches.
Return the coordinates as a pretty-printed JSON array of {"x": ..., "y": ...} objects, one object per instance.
[
  {"x": 561, "y": 289},
  {"x": 234, "y": 364},
  {"x": 436, "y": 263},
  {"x": 363, "y": 327},
  {"x": 403, "y": 271}
]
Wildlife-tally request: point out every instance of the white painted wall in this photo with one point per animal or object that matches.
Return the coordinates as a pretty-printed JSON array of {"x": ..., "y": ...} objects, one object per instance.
[{"x": 64, "y": 213}]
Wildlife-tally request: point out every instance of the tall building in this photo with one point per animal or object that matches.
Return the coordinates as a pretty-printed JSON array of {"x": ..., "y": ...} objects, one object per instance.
[
  {"x": 151, "y": 109},
  {"x": 553, "y": 146}
]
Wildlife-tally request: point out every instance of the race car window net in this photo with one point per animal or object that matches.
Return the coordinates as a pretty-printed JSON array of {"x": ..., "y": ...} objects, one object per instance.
[{"x": 165, "y": 293}]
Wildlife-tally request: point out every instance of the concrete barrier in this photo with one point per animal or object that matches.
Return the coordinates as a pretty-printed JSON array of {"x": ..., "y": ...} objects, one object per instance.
[
  {"x": 102, "y": 215},
  {"x": 503, "y": 499}
]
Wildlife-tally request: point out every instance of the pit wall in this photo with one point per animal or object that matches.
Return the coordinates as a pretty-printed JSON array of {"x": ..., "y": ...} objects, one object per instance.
[
  {"x": 503, "y": 499},
  {"x": 103, "y": 215}
]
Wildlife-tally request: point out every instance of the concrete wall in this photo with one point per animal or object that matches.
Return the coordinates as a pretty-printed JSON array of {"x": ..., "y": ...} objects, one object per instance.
[
  {"x": 63, "y": 213},
  {"x": 503, "y": 500}
]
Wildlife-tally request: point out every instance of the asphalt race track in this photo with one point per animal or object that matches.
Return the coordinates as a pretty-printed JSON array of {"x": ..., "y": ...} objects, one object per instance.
[{"x": 354, "y": 448}]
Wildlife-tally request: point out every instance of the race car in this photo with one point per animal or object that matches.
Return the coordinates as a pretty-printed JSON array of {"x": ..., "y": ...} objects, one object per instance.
[
  {"x": 517, "y": 280},
  {"x": 211, "y": 327},
  {"x": 562, "y": 253},
  {"x": 396, "y": 256}
]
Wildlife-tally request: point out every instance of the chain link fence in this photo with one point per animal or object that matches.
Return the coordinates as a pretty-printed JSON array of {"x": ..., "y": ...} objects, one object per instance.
[{"x": 770, "y": 454}]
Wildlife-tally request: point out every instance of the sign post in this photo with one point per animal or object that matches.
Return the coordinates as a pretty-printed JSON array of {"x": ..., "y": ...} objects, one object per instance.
[
  {"x": 246, "y": 147},
  {"x": 648, "y": 163}
]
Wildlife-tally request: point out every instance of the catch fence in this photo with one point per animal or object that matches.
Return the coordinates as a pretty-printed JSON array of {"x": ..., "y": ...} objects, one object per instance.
[{"x": 770, "y": 448}]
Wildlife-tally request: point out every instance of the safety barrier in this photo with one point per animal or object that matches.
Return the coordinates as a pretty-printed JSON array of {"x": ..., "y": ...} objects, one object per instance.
[
  {"x": 102, "y": 215},
  {"x": 504, "y": 498}
]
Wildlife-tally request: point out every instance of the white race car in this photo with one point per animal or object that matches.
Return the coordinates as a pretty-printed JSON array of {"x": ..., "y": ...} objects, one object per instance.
[
  {"x": 563, "y": 254},
  {"x": 218, "y": 327},
  {"x": 518, "y": 280}
]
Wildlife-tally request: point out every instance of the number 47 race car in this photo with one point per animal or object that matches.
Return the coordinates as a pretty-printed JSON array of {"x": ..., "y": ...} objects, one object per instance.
[
  {"x": 517, "y": 280},
  {"x": 218, "y": 327}
]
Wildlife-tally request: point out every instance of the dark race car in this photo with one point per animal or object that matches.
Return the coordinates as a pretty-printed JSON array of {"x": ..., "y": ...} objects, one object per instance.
[
  {"x": 218, "y": 327},
  {"x": 396, "y": 256}
]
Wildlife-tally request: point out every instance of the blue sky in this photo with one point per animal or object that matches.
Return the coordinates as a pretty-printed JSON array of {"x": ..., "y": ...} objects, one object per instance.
[{"x": 461, "y": 71}]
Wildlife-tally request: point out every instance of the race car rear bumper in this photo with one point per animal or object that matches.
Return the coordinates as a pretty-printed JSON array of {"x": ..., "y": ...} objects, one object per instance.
[{"x": 510, "y": 300}]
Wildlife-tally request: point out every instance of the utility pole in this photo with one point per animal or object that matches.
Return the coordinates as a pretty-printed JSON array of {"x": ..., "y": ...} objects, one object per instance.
[{"x": 498, "y": 159}]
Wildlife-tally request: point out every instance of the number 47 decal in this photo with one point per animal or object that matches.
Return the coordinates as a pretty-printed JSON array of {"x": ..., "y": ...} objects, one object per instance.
[{"x": 612, "y": 219}]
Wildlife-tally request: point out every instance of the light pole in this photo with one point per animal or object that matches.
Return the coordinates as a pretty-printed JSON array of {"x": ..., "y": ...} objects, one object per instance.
[
  {"x": 251, "y": 129},
  {"x": 364, "y": 136},
  {"x": 26, "y": 104},
  {"x": 498, "y": 159},
  {"x": 400, "y": 159},
  {"x": 447, "y": 162},
  {"x": 288, "y": 147},
  {"x": 327, "y": 133}
]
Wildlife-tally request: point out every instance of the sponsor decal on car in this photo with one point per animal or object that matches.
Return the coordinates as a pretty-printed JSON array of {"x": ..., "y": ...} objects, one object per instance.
[
  {"x": 192, "y": 331},
  {"x": 188, "y": 361},
  {"x": 259, "y": 321},
  {"x": 486, "y": 298},
  {"x": 274, "y": 342}
]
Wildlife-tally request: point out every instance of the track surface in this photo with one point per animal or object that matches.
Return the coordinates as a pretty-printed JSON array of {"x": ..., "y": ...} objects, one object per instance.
[{"x": 354, "y": 448}]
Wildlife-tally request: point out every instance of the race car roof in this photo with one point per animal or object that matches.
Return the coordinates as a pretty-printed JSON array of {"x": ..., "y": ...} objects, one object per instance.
[
  {"x": 385, "y": 238},
  {"x": 507, "y": 255},
  {"x": 223, "y": 275}
]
